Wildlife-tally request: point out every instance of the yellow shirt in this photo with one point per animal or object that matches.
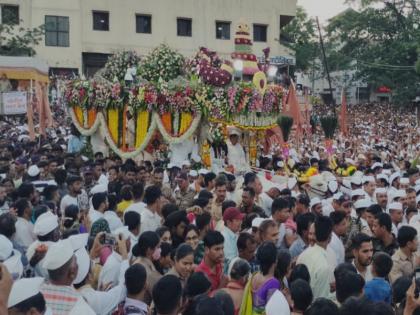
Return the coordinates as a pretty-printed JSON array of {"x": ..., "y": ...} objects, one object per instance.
[{"x": 123, "y": 205}]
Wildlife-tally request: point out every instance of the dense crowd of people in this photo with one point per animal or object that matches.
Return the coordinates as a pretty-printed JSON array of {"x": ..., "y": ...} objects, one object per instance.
[{"x": 111, "y": 236}]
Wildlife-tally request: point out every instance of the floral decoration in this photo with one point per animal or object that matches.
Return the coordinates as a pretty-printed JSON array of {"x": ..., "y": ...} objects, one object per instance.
[
  {"x": 162, "y": 64},
  {"x": 117, "y": 65}
]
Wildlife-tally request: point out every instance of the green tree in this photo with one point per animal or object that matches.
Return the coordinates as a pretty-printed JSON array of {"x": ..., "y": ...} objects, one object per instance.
[
  {"x": 19, "y": 41},
  {"x": 301, "y": 36},
  {"x": 382, "y": 38}
]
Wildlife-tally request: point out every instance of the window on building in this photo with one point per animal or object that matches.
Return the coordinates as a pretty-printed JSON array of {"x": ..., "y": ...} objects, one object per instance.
[
  {"x": 223, "y": 30},
  {"x": 260, "y": 33},
  {"x": 144, "y": 23},
  {"x": 184, "y": 27},
  {"x": 93, "y": 62},
  {"x": 100, "y": 20},
  {"x": 57, "y": 31},
  {"x": 9, "y": 14}
]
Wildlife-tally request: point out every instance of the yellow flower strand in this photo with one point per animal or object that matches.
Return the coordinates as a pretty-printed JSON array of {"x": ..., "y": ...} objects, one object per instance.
[
  {"x": 113, "y": 123},
  {"x": 142, "y": 124},
  {"x": 79, "y": 114},
  {"x": 186, "y": 119}
]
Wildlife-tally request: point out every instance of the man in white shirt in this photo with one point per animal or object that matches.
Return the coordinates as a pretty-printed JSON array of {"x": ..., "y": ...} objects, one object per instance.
[
  {"x": 150, "y": 216},
  {"x": 363, "y": 253},
  {"x": 340, "y": 224},
  {"x": 100, "y": 205},
  {"x": 74, "y": 186},
  {"x": 24, "y": 235},
  {"x": 132, "y": 222},
  {"x": 236, "y": 154},
  {"x": 138, "y": 205},
  {"x": 315, "y": 258}
]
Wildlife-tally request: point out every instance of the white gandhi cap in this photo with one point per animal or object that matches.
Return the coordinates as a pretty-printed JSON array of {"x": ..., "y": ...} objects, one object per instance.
[
  {"x": 58, "y": 254},
  {"x": 24, "y": 289},
  {"x": 46, "y": 223}
]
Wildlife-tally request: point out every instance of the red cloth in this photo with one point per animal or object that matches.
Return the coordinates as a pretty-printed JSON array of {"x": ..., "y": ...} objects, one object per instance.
[
  {"x": 214, "y": 277},
  {"x": 292, "y": 109},
  {"x": 343, "y": 114}
]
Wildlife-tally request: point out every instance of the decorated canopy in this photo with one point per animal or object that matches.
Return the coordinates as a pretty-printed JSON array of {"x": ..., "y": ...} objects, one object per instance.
[
  {"x": 24, "y": 68},
  {"x": 134, "y": 97}
]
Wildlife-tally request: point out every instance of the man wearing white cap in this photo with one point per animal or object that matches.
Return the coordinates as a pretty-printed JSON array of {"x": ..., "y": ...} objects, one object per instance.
[
  {"x": 236, "y": 154},
  {"x": 198, "y": 184},
  {"x": 47, "y": 230},
  {"x": 186, "y": 165},
  {"x": 192, "y": 176},
  {"x": 59, "y": 293},
  {"x": 381, "y": 198},
  {"x": 395, "y": 210},
  {"x": 102, "y": 302},
  {"x": 26, "y": 298},
  {"x": 10, "y": 257},
  {"x": 369, "y": 186}
]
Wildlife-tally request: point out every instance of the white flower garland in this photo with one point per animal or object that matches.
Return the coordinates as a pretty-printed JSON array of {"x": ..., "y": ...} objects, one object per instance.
[
  {"x": 131, "y": 154},
  {"x": 100, "y": 122},
  {"x": 173, "y": 140},
  {"x": 82, "y": 130}
]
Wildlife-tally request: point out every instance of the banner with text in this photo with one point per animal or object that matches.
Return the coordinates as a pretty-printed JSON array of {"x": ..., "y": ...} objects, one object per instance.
[{"x": 14, "y": 103}]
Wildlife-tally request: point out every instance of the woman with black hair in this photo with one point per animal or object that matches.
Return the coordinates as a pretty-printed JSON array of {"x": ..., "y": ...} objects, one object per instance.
[
  {"x": 238, "y": 276},
  {"x": 263, "y": 284},
  {"x": 75, "y": 144},
  {"x": 145, "y": 252},
  {"x": 184, "y": 263},
  {"x": 71, "y": 220}
]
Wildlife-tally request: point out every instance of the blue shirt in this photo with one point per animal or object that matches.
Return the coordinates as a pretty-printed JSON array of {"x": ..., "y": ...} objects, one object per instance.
[
  {"x": 297, "y": 247},
  {"x": 378, "y": 289},
  {"x": 75, "y": 145},
  {"x": 230, "y": 247}
]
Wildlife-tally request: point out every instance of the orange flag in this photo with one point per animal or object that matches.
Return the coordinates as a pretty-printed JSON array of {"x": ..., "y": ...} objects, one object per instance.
[
  {"x": 292, "y": 109},
  {"x": 343, "y": 114}
]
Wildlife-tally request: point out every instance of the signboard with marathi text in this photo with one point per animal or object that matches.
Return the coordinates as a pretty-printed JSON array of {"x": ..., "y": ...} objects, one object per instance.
[
  {"x": 14, "y": 103},
  {"x": 279, "y": 60}
]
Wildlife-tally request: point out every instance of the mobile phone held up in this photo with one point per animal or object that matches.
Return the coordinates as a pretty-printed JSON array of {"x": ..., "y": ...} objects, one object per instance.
[{"x": 108, "y": 239}]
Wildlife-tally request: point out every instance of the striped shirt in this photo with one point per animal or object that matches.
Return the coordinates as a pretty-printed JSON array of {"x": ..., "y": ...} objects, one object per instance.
[{"x": 60, "y": 299}]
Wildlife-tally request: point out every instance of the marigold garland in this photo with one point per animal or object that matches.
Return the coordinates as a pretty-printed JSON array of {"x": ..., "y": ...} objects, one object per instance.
[
  {"x": 91, "y": 113},
  {"x": 186, "y": 120},
  {"x": 78, "y": 111},
  {"x": 85, "y": 132},
  {"x": 113, "y": 117},
  {"x": 169, "y": 138},
  {"x": 143, "y": 121},
  {"x": 167, "y": 122}
]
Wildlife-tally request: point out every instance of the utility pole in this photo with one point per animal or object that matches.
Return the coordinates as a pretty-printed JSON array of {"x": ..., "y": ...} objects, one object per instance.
[{"x": 326, "y": 65}]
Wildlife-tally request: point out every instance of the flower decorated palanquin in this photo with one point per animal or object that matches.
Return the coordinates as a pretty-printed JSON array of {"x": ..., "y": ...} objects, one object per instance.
[{"x": 174, "y": 103}]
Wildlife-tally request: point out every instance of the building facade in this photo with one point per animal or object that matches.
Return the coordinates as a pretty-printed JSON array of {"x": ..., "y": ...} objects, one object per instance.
[{"x": 80, "y": 34}]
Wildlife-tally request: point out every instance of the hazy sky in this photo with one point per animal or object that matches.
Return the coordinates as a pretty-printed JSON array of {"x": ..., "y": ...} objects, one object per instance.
[{"x": 324, "y": 9}]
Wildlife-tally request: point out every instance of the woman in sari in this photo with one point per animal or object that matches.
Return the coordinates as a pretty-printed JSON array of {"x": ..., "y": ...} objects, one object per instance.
[{"x": 262, "y": 284}]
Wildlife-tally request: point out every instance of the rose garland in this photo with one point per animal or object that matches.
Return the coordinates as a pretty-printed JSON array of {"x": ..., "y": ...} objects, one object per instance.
[{"x": 169, "y": 138}]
